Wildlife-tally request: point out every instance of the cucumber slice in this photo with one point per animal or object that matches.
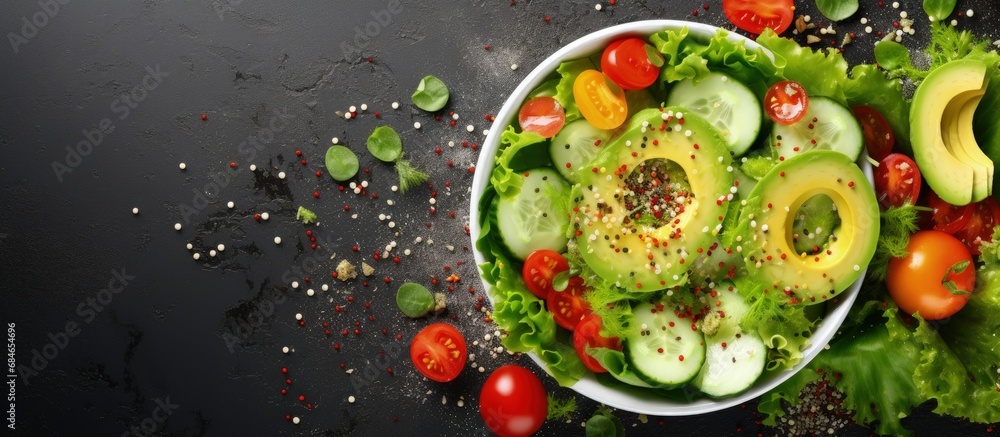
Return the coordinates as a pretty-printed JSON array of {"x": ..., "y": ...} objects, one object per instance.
[
  {"x": 734, "y": 360},
  {"x": 728, "y": 104},
  {"x": 827, "y": 125},
  {"x": 665, "y": 351},
  {"x": 536, "y": 217},
  {"x": 575, "y": 145}
]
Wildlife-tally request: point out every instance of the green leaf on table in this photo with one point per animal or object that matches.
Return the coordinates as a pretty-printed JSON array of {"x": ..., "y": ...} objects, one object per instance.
[
  {"x": 341, "y": 162},
  {"x": 384, "y": 144},
  {"x": 414, "y": 300},
  {"x": 837, "y": 10},
  {"x": 605, "y": 424},
  {"x": 431, "y": 94}
]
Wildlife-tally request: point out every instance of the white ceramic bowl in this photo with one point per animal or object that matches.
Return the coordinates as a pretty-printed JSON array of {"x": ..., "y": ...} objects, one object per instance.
[{"x": 627, "y": 399}]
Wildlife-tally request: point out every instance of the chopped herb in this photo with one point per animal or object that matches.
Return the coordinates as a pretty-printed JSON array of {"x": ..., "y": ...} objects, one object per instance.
[
  {"x": 305, "y": 215},
  {"x": 409, "y": 176},
  {"x": 561, "y": 408}
]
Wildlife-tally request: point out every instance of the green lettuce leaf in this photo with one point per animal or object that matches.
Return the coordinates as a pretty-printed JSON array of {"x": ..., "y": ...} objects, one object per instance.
[
  {"x": 515, "y": 151},
  {"x": 568, "y": 72},
  {"x": 688, "y": 58}
]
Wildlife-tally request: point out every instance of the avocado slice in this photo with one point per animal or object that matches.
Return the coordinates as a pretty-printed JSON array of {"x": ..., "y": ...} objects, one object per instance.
[
  {"x": 939, "y": 148},
  {"x": 650, "y": 200},
  {"x": 770, "y": 215}
]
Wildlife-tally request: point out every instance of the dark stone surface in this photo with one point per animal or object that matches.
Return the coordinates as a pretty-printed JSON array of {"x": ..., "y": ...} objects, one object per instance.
[{"x": 207, "y": 335}]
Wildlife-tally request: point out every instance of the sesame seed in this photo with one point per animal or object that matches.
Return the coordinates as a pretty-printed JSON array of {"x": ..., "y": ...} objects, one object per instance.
[
  {"x": 285, "y": 350},
  {"x": 295, "y": 284},
  {"x": 969, "y": 13},
  {"x": 277, "y": 240},
  {"x": 470, "y": 128},
  {"x": 190, "y": 246},
  {"x": 135, "y": 211},
  {"x": 347, "y": 116},
  {"x": 513, "y": 66},
  {"x": 597, "y": 7},
  {"x": 310, "y": 292},
  {"x": 265, "y": 216},
  {"x": 281, "y": 175},
  {"x": 416, "y": 125},
  {"x": 298, "y": 316},
  {"x": 350, "y": 399},
  {"x": 395, "y": 105},
  {"x": 177, "y": 226},
  {"x": 212, "y": 253},
  {"x": 325, "y": 287},
  {"x": 364, "y": 107},
  {"x": 196, "y": 256},
  {"x": 335, "y": 140},
  {"x": 296, "y": 420}
]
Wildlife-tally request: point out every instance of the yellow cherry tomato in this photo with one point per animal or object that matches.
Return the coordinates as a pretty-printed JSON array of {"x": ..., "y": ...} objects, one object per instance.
[{"x": 601, "y": 101}]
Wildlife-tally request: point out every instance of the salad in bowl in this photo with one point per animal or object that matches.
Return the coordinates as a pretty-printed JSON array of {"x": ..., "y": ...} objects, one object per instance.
[{"x": 673, "y": 219}]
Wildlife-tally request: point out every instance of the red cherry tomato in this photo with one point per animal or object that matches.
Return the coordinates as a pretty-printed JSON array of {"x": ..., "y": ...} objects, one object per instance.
[
  {"x": 588, "y": 334},
  {"x": 756, "y": 15},
  {"x": 631, "y": 63},
  {"x": 543, "y": 116},
  {"x": 600, "y": 100},
  {"x": 786, "y": 102},
  {"x": 897, "y": 180},
  {"x": 919, "y": 282},
  {"x": 879, "y": 138},
  {"x": 540, "y": 268},
  {"x": 513, "y": 402},
  {"x": 568, "y": 306},
  {"x": 946, "y": 217},
  {"x": 439, "y": 352},
  {"x": 979, "y": 229}
]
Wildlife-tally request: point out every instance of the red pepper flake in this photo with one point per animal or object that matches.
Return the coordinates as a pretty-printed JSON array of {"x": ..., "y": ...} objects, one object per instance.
[
  {"x": 256, "y": 217},
  {"x": 387, "y": 280},
  {"x": 298, "y": 153},
  {"x": 284, "y": 370},
  {"x": 303, "y": 162},
  {"x": 232, "y": 165},
  {"x": 319, "y": 173},
  {"x": 204, "y": 117},
  {"x": 316, "y": 195},
  {"x": 486, "y": 47},
  {"x": 548, "y": 19}
]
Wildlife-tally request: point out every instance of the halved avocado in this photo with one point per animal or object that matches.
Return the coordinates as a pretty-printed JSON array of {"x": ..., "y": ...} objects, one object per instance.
[
  {"x": 948, "y": 168},
  {"x": 638, "y": 227},
  {"x": 771, "y": 210}
]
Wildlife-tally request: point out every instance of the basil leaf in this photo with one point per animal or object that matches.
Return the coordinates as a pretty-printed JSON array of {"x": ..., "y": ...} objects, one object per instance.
[
  {"x": 837, "y": 10},
  {"x": 341, "y": 162},
  {"x": 384, "y": 144},
  {"x": 891, "y": 55},
  {"x": 938, "y": 10},
  {"x": 431, "y": 94},
  {"x": 414, "y": 300}
]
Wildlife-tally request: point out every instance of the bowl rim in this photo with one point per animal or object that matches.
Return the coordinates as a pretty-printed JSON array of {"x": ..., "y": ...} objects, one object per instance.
[{"x": 639, "y": 401}]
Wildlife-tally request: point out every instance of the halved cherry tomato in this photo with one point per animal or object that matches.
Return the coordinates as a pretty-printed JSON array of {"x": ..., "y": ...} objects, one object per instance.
[
  {"x": 568, "y": 306},
  {"x": 786, "y": 102},
  {"x": 439, "y": 352},
  {"x": 935, "y": 278},
  {"x": 513, "y": 402},
  {"x": 588, "y": 334},
  {"x": 879, "y": 138},
  {"x": 540, "y": 268},
  {"x": 543, "y": 116},
  {"x": 632, "y": 63},
  {"x": 979, "y": 229},
  {"x": 946, "y": 217},
  {"x": 897, "y": 180},
  {"x": 756, "y": 15},
  {"x": 601, "y": 101}
]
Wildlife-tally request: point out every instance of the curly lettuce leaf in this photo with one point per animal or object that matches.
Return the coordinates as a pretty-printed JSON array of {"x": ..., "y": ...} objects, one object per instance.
[
  {"x": 873, "y": 367},
  {"x": 568, "y": 72},
  {"x": 688, "y": 58},
  {"x": 516, "y": 153}
]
